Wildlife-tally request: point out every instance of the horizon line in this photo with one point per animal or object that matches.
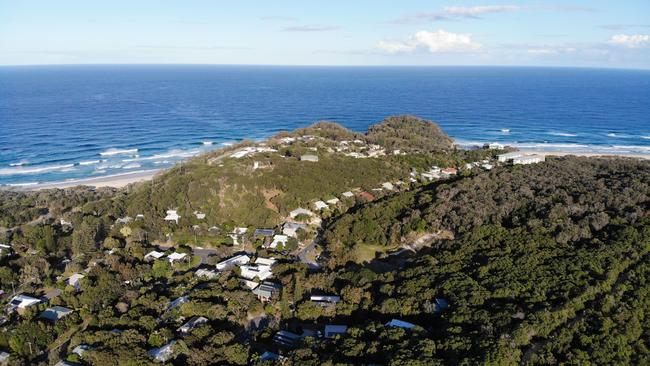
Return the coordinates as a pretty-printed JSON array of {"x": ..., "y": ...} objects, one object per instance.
[{"x": 332, "y": 65}]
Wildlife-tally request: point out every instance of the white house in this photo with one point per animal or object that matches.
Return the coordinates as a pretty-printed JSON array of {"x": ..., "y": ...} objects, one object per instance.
[
  {"x": 5, "y": 249},
  {"x": 291, "y": 228},
  {"x": 348, "y": 194},
  {"x": 55, "y": 313},
  {"x": 206, "y": 273},
  {"x": 495, "y": 146},
  {"x": 164, "y": 353},
  {"x": 176, "y": 257},
  {"x": 300, "y": 211},
  {"x": 277, "y": 240},
  {"x": 332, "y": 201},
  {"x": 199, "y": 215},
  {"x": 192, "y": 323},
  {"x": 153, "y": 255},
  {"x": 320, "y": 205},
  {"x": 312, "y": 158},
  {"x": 528, "y": 159},
  {"x": 23, "y": 301},
  {"x": 234, "y": 261},
  {"x": 249, "y": 272},
  {"x": 172, "y": 215},
  {"x": 74, "y": 280},
  {"x": 265, "y": 261},
  {"x": 504, "y": 158},
  {"x": 250, "y": 284},
  {"x": 123, "y": 220},
  {"x": 387, "y": 186}
]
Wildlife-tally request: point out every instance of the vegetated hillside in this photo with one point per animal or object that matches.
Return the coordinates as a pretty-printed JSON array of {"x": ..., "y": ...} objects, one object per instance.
[
  {"x": 409, "y": 133},
  {"x": 549, "y": 264}
]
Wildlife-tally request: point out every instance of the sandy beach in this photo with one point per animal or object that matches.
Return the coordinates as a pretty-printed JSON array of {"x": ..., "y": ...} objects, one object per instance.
[{"x": 115, "y": 181}]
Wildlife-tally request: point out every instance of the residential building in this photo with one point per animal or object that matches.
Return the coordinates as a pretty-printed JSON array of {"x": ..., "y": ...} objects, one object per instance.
[
  {"x": 400, "y": 324},
  {"x": 178, "y": 302},
  {"x": 206, "y": 273},
  {"x": 253, "y": 271},
  {"x": 266, "y": 290},
  {"x": 528, "y": 159},
  {"x": 74, "y": 281},
  {"x": 176, "y": 256},
  {"x": 332, "y": 331},
  {"x": 325, "y": 300},
  {"x": 264, "y": 232},
  {"x": 387, "y": 186},
  {"x": 192, "y": 323},
  {"x": 507, "y": 157},
  {"x": 23, "y": 302},
  {"x": 312, "y": 158},
  {"x": 55, "y": 313},
  {"x": 277, "y": 240},
  {"x": 234, "y": 261},
  {"x": 153, "y": 255},
  {"x": 164, "y": 353},
  {"x": 291, "y": 228},
  {"x": 320, "y": 205},
  {"x": 300, "y": 211},
  {"x": 199, "y": 215},
  {"x": 285, "y": 338},
  {"x": 348, "y": 194},
  {"x": 172, "y": 215},
  {"x": 332, "y": 201}
]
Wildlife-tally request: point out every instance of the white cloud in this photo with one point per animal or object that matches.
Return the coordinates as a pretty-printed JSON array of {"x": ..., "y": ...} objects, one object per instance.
[
  {"x": 630, "y": 41},
  {"x": 473, "y": 11},
  {"x": 435, "y": 42}
]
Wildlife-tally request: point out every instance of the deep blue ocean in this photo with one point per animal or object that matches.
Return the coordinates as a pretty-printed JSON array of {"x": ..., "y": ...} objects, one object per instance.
[{"x": 70, "y": 122}]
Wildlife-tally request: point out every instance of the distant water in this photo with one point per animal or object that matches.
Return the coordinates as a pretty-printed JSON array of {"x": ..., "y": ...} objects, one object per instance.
[{"x": 70, "y": 122}]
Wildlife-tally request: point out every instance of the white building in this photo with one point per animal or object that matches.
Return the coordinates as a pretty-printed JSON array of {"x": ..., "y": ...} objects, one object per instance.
[
  {"x": 172, "y": 215},
  {"x": 234, "y": 261},
  {"x": 504, "y": 158},
  {"x": 300, "y": 211},
  {"x": 291, "y": 228},
  {"x": 74, "y": 280},
  {"x": 206, "y": 273},
  {"x": 164, "y": 353},
  {"x": 153, "y": 255},
  {"x": 320, "y": 205},
  {"x": 312, "y": 158},
  {"x": 176, "y": 257},
  {"x": 249, "y": 272},
  {"x": 496, "y": 146},
  {"x": 332, "y": 201},
  {"x": 192, "y": 323},
  {"x": 277, "y": 240},
  {"x": 388, "y": 186},
  {"x": 23, "y": 301},
  {"x": 528, "y": 159},
  {"x": 199, "y": 215},
  {"x": 265, "y": 261},
  {"x": 348, "y": 194}
]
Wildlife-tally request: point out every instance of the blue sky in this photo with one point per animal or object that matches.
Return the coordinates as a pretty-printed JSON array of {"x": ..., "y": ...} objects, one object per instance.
[{"x": 347, "y": 32}]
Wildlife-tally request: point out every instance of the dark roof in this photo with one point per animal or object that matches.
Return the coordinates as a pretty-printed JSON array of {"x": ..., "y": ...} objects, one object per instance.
[
  {"x": 264, "y": 232},
  {"x": 55, "y": 313},
  {"x": 267, "y": 289}
]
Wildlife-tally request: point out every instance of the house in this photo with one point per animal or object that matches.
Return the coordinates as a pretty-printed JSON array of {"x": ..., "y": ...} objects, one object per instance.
[
  {"x": 332, "y": 201},
  {"x": 65, "y": 223},
  {"x": 495, "y": 146},
  {"x": 80, "y": 349},
  {"x": 199, "y": 215},
  {"x": 178, "y": 302},
  {"x": 164, "y": 353},
  {"x": 400, "y": 324},
  {"x": 206, "y": 273},
  {"x": 320, "y": 205},
  {"x": 441, "y": 304},
  {"x": 277, "y": 240},
  {"x": 332, "y": 331},
  {"x": 192, "y": 323},
  {"x": 74, "y": 281},
  {"x": 176, "y": 256},
  {"x": 265, "y": 261},
  {"x": 4, "y": 357},
  {"x": 285, "y": 338},
  {"x": 172, "y": 215},
  {"x": 449, "y": 171},
  {"x": 291, "y": 228},
  {"x": 253, "y": 271},
  {"x": 387, "y": 186},
  {"x": 55, "y": 313},
  {"x": 23, "y": 302},
  {"x": 325, "y": 300},
  {"x": 348, "y": 194},
  {"x": 366, "y": 196},
  {"x": 139, "y": 217},
  {"x": 504, "y": 158},
  {"x": 123, "y": 220},
  {"x": 312, "y": 158},
  {"x": 487, "y": 166},
  {"x": 240, "y": 230},
  {"x": 250, "y": 284},
  {"x": 152, "y": 255},
  {"x": 300, "y": 211},
  {"x": 528, "y": 159},
  {"x": 234, "y": 261},
  {"x": 264, "y": 232},
  {"x": 269, "y": 356},
  {"x": 266, "y": 290}
]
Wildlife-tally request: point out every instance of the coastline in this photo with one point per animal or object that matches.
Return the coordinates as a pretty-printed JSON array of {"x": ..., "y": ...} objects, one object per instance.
[
  {"x": 123, "y": 179},
  {"x": 114, "y": 181}
]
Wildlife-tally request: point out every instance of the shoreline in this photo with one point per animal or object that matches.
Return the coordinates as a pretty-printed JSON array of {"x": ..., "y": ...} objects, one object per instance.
[
  {"x": 123, "y": 179},
  {"x": 114, "y": 181}
]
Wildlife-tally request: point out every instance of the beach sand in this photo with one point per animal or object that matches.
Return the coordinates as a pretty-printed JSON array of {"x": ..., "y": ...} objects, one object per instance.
[
  {"x": 115, "y": 181},
  {"x": 584, "y": 154}
]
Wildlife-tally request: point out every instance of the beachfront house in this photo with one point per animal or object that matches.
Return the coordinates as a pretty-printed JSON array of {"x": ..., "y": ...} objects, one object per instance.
[
  {"x": 325, "y": 300},
  {"x": 234, "y": 261},
  {"x": 332, "y": 330},
  {"x": 400, "y": 324},
  {"x": 164, "y": 353},
  {"x": 192, "y": 323},
  {"x": 74, "y": 281},
  {"x": 507, "y": 157},
  {"x": 172, "y": 215},
  {"x": 495, "y": 146},
  {"x": 277, "y": 240},
  {"x": 320, "y": 205},
  {"x": 153, "y": 255},
  {"x": 266, "y": 290},
  {"x": 312, "y": 158},
  {"x": 528, "y": 159},
  {"x": 449, "y": 171},
  {"x": 55, "y": 313}
]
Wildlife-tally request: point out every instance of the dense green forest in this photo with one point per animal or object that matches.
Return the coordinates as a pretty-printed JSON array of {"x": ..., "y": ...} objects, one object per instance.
[{"x": 538, "y": 264}]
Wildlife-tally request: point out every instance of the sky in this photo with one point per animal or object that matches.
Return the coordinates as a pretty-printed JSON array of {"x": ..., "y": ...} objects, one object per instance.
[{"x": 593, "y": 33}]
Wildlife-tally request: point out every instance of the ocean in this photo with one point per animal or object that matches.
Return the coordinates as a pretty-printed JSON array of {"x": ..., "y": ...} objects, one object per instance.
[{"x": 60, "y": 123}]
